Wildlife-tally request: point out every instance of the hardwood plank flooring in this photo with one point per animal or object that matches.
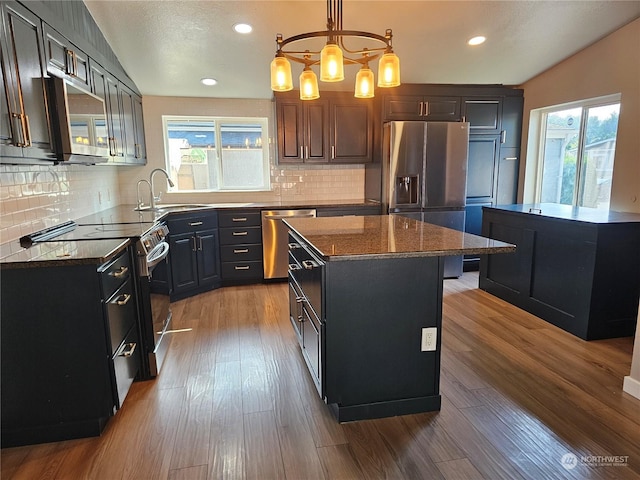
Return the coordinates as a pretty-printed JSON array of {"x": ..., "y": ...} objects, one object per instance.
[{"x": 234, "y": 401}]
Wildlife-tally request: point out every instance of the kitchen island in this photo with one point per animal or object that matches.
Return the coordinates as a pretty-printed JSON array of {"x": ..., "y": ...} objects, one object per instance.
[
  {"x": 366, "y": 304},
  {"x": 577, "y": 268}
]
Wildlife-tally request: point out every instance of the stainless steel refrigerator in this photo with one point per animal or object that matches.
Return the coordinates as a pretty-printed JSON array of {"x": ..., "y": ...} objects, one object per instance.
[{"x": 424, "y": 175}]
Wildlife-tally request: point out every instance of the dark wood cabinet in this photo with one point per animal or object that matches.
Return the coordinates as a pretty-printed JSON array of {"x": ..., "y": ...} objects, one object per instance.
[
  {"x": 241, "y": 246},
  {"x": 573, "y": 268},
  {"x": 27, "y": 134},
  {"x": 194, "y": 251},
  {"x": 67, "y": 369},
  {"x": 336, "y": 128},
  {"x": 132, "y": 126},
  {"x": 422, "y": 107},
  {"x": 351, "y": 139},
  {"x": 64, "y": 59},
  {"x": 481, "y": 167},
  {"x": 483, "y": 114}
]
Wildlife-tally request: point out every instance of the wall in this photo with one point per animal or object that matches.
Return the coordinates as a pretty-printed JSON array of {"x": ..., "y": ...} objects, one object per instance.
[
  {"x": 611, "y": 65},
  {"x": 288, "y": 183},
  {"x": 36, "y": 197}
]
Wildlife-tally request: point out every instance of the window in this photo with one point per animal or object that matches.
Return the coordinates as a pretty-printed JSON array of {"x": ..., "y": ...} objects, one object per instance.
[
  {"x": 217, "y": 154},
  {"x": 577, "y": 145}
]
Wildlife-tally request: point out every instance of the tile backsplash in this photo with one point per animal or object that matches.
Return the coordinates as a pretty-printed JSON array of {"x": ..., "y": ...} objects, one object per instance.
[{"x": 36, "y": 197}]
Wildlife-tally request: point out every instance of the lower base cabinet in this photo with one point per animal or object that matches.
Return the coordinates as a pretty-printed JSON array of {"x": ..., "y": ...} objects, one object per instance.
[
  {"x": 69, "y": 349},
  {"x": 194, "y": 252}
]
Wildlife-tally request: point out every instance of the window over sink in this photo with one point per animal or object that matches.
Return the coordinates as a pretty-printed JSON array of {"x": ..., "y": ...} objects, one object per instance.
[{"x": 217, "y": 153}]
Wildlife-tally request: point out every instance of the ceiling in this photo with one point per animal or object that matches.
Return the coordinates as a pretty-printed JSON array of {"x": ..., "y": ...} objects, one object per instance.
[{"x": 167, "y": 46}]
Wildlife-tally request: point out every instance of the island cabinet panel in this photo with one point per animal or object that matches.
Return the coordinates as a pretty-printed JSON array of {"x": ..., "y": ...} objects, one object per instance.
[
  {"x": 69, "y": 356},
  {"x": 359, "y": 324},
  {"x": 581, "y": 276}
]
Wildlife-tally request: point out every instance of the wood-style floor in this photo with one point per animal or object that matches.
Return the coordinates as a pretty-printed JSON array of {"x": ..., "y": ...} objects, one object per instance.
[{"x": 234, "y": 400}]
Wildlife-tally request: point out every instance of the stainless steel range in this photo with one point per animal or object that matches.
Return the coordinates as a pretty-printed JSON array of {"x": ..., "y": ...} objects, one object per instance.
[{"x": 154, "y": 289}]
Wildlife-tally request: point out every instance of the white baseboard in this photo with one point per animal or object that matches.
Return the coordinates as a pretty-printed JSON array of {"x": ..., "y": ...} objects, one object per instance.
[{"x": 631, "y": 386}]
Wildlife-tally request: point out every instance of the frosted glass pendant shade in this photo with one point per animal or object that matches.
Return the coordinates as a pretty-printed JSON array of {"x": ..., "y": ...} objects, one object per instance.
[
  {"x": 331, "y": 63},
  {"x": 281, "y": 80},
  {"x": 308, "y": 85},
  {"x": 389, "y": 70},
  {"x": 364, "y": 83}
]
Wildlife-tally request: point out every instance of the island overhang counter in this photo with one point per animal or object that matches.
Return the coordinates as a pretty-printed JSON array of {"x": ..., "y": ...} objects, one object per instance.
[{"x": 366, "y": 305}]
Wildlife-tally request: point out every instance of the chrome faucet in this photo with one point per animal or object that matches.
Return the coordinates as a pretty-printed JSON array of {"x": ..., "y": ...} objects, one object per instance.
[
  {"x": 139, "y": 197},
  {"x": 155, "y": 199}
]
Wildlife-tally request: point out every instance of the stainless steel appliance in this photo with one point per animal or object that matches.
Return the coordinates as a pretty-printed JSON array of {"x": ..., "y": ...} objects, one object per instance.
[
  {"x": 152, "y": 251},
  {"x": 424, "y": 175},
  {"x": 275, "y": 252},
  {"x": 79, "y": 123}
]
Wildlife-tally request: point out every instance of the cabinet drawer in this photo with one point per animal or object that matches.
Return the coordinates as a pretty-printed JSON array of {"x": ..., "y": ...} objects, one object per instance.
[
  {"x": 121, "y": 314},
  {"x": 240, "y": 219},
  {"x": 126, "y": 363},
  {"x": 241, "y": 270},
  {"x": 241, "y": 253},
  {"x": 234, "y": 236},
  {"x": 114, "y": 274},
  {"x": 192, "y": 222}
]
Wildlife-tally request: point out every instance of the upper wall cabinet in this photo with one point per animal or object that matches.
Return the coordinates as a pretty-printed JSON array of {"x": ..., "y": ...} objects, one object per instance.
[
  {"x": 335, "y": 128},
  {"x": 25, "y": 131},
  {"x": 65, "y": 59},
  {"x": 422, "y": 107},
  {"x": 32, "y": 50},
  {"x": 483, "y": 114}
]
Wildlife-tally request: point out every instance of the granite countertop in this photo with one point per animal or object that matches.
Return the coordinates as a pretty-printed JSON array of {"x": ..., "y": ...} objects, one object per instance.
[
  {"x": 388, "y": 236},
  {"x": 568, "y": 212},
  {"x": 128, "y": 214},
  {"x": 94, "y": 252}
]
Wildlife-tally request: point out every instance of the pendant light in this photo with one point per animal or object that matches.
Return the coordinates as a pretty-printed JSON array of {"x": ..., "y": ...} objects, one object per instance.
[
  {"x": 331, "y": 63},
  {"x": 389, "y": 70},
  {"x": 308, "y": 84},
  {"x": 364, "y": 82},
  {"x": 281, "y": 80}
]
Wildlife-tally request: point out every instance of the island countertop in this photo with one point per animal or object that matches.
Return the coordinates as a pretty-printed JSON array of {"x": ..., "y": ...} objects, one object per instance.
[{"x": 388, "y": 236}]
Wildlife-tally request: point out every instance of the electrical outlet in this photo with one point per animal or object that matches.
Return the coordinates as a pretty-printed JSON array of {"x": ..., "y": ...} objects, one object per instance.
[{"x": 429, "y": 339}]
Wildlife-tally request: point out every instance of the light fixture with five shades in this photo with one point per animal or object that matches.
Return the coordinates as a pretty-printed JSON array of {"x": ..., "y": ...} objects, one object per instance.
[{"x": 332, "y": 58}]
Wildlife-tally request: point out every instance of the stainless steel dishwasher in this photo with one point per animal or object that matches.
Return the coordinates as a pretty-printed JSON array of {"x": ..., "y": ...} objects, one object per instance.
[{"x": 275, "y": 252}]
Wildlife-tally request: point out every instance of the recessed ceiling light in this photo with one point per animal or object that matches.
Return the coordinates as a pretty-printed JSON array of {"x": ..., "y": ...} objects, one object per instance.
[
  {"x": 476, "y": 40},
  {"x": 208, "y": 81},
  {"x": 243, "y": 28}
]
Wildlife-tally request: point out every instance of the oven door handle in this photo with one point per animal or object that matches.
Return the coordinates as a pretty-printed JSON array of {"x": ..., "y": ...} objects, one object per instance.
[{"x": 157, "y": 254}]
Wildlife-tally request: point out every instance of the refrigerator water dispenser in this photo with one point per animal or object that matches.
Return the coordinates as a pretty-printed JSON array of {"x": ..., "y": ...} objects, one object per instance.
[{"x": 406, "y": 190}]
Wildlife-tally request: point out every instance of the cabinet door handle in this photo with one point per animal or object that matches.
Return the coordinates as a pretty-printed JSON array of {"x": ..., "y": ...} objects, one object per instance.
[
  {"x": 27, "y": 129},
  {"x": 306, "y": 152},
  {"x": 74, "y": 63},
  {"x": 136, "y": 150},
  {"x": 194, "y": 224},
  {"x": 421, "y": 104},
  {"x": 239, "y": 219},
  {"x": 195, "y": 247},
  {"x": 119, "y": 273},
  {"x": 129, "y": 352},
  {"x": 503, "y": 136},
  {"x": 510, "y": 158},
  {"x": 242, "y": 267},
  {"x": 240, "y": 250},
  {"x": 301, "y": 152},
  {"x": 309, "y": 264},
  {"x": 293, "y": 246},
  {"x": 333, "y": 152},
  {"x": 122, "y": 299},
  {"x": 200, "y": 243},
  {"x": 240, "y": 234},
  {"x": 293, "y": 267},
  {"x": 18, "y": 119},
  {"x": 425, "y": 113}
]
